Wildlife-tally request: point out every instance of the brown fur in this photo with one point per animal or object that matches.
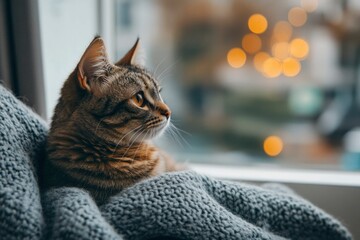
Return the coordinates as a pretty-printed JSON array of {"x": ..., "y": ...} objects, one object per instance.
[{"x": 100, "y": 138}]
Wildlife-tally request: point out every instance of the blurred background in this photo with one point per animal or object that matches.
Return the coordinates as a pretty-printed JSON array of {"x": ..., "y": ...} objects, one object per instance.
[
  {"x": 252, "y": 82},
  {"x": 260, "y": 90}
]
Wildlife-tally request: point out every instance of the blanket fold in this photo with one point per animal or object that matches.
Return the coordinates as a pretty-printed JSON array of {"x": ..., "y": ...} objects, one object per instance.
[{"x": 182, "y": 205}]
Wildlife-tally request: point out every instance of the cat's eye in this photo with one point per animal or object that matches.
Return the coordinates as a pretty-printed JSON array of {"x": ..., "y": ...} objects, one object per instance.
[{"x": 139, "y": 99}]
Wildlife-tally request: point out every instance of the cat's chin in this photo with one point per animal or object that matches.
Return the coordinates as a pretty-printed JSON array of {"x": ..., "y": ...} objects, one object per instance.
[{"x": 158, "y": 130}]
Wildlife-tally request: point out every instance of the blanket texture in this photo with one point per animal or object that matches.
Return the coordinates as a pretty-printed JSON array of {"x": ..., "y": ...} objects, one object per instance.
[{"x": 183, "y": 205}]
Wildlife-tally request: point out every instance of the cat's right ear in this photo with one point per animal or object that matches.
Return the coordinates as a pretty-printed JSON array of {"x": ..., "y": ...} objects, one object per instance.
[
  {"x": 94, "y": 66},
  {"x": 131, "y": 57}
]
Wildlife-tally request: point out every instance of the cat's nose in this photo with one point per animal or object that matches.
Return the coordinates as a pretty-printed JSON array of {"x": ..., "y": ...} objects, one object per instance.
[
  {"x": 166, "y": 113},
  {"x": 164, "y": 110}
]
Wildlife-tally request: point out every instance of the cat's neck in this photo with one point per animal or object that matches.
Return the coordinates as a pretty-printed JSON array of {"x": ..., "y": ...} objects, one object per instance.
[{"x": 97, "y": 149}]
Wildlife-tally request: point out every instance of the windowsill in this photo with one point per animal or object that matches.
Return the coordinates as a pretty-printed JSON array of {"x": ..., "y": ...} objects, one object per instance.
[{"x": 260, "y": 174}]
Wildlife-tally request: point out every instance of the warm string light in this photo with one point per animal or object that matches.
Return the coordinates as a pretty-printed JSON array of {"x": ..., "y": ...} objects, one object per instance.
[
  {"x": 259, "y": 60},
  {"x": 309, "y": 5},
  {"x": 257, "y": 23},
  {"x": 286, "y": 53},
  {"x": 272, "y": 68},
  {"x": 236, "y": 57},
  {"x": 282, "y": 31},
  {"x": 280, "y": 50},
  {"x": 273, "y": 146},
  {"x": 299, "y": 48},
  {"x": 251, "y": 43},
  {"x": 297, "y": 16},
  {"x": 291, "y": 67}
]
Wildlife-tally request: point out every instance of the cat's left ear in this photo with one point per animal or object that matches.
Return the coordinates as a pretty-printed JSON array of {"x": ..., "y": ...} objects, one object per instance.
[
  {"x": 94, "y": 67},
  {"x": 132, "y": 56}
]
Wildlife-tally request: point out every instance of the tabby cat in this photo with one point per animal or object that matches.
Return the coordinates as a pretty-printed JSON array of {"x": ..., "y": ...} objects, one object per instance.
[{"x": 104, "y": 119}]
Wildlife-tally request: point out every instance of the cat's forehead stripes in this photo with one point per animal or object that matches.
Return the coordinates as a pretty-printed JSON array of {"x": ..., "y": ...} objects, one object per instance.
[
  {"x": 132, "y": 80},
  {"x": 149, "y": 86},
  {"x": 149, "y": 98},
  {"x": 147, "y": 80},
  {"x": 151, "y": 90}
]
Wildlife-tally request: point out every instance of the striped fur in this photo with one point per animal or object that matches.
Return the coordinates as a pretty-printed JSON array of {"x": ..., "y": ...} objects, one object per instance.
[{"x": 100, "y": 136}]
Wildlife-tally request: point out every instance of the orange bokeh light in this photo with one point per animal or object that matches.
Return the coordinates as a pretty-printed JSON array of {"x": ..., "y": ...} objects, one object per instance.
[
  {"x": 273, "y": 146},
  {"x": 259, "y": 60},
  {"x": 272, "y": 68},
  {"x": 251, "y": 43},
  {"x": 236, "y": 57},
  {"x": 281, "y": 50},
  {"x": 291, "y": 67},
  {"x": 297, "y": 16},
  {"x": 309, "y": 5},
  {"x": 257, "y": 23},
  {"x": 282, "y": 31},
  {"x": 299, "y": 48}
]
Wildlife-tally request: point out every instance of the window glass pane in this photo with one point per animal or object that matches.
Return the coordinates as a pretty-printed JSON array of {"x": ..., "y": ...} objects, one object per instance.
[
  {"x": 254, "y": 81},
  {"x": 249, "y": 82},
  {"x": 67, "y": 27}
]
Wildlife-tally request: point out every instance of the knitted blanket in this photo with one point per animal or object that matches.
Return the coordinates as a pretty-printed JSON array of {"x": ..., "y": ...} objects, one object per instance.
[{"x": 183, "y": 205}]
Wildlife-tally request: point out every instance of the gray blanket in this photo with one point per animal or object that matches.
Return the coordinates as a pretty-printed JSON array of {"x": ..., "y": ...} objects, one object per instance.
[{"x": 182, "y": 205}]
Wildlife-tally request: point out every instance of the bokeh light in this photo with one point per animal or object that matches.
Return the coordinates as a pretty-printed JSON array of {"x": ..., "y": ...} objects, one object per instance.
[
  {"x": 280, "y": 50},
  {"x": 282, "y": 31},
  {"x": 299, "y": 48},
  {"x": 297, "y": 16},
  {"x": 291, "y": 67},
  {"x": 309, "y": 5},
  {"x": 236, "y": 57},
  {"x": 251, "y": 43},
  {"x": 259, "y": 60},
  {"x": 257, "y": 23},
  {"x": 272, "y": 68},
  {"x": 273, "y": 146}
]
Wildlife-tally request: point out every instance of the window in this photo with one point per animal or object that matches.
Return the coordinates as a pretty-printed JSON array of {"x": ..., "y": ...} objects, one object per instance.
[
  {"x": 249, "y": 82},
  {"x": 66, "y": 29}
]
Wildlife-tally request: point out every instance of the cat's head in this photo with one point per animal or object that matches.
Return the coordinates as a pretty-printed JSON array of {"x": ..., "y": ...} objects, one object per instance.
[{"x": 120, "y": 100}]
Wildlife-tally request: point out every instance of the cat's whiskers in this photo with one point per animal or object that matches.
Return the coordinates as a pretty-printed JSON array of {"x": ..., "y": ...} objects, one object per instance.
[
  {"x": 178, "y": 132},
  {"x": 99, "y": 124},
  {"x": 136, "y": 134},
  {"x": 166, "y": 70},
  {"x": 158, "y": 65},
  {"x": 175, "y": 137},
  {"x": 148, "y": 145},
  {"x": 179, "y": 129},
  {"x": 144, "y": 136},
  {"x": 137, "y": 128},
  {"x": 146, "y": 151},
  {"x": 175, "y": 133},
  {"x": 133, "y": 141}
]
